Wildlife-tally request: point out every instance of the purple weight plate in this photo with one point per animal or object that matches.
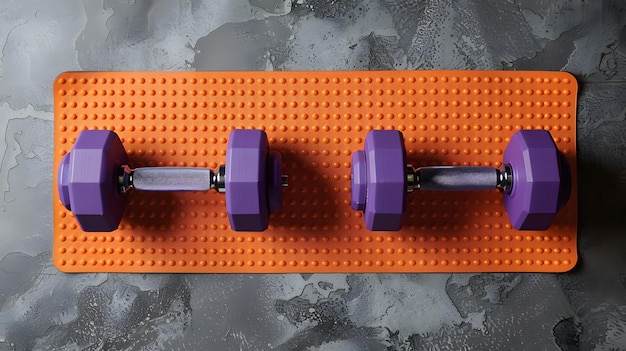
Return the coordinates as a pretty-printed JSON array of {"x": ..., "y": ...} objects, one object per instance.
[
  {"x": 358, "y": 181},
  {"x": 247, "y": 203},
  {"x": 385, "y": 159},
  {"x": 537, "y": 189},
  {"x": 87, "y": 180}
]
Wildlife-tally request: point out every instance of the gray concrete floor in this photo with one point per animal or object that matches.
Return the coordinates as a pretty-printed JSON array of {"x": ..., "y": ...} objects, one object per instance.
[{"x": 43, "y": 309}]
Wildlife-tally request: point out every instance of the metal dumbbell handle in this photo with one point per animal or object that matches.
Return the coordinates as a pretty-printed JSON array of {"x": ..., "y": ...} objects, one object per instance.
[
  {"x": 172, "y": 179},
  {"x": 459, "y": 178},
  {"x": 175, "y": 179}
]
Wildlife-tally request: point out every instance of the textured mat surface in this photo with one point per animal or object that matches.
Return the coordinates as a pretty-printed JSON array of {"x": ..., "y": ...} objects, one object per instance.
[{"x": 316, "y": 120}]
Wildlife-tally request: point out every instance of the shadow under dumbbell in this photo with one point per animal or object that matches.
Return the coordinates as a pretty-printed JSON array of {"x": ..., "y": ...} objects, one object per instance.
[
  {"x": 166, "y": 213},
  {"x": 602, "y": 213},
  {"x": 430, "y": 211},
  {"x": 600, "y": 273},
  {"x": 311, "y": 201},
  {"x": 450, "y": 212},
  {"x": 171, "y": 213}
]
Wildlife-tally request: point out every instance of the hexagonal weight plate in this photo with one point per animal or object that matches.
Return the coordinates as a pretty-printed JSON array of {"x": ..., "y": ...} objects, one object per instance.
[
  {"x": 87, "y": 180},
  {"x": 541, "y": 182},
  {"x": 246, "y": 180},
  {"x": 385, "y": 160}
]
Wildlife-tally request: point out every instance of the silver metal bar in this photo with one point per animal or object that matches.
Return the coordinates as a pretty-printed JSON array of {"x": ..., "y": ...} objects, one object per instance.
[
  {"x": 457, "y": 178},
  {"x": 172, "y": 179}
]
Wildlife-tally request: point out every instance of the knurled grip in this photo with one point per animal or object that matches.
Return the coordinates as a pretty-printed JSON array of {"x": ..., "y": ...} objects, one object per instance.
[
  {"x": 172, "y": 179},
  {"x": 458, "y": 178}
]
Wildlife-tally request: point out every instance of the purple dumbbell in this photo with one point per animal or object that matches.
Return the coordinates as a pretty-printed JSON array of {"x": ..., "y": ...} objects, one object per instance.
[
  {"x": 534, "y": 179},
  {"x": 94, "y": 177}
]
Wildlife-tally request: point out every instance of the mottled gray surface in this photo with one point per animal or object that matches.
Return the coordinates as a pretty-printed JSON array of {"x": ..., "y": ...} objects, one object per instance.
[{"x": 43, "y": 309}]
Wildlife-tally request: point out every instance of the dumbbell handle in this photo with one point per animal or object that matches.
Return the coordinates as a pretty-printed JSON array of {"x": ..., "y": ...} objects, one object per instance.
[
  {"x": 172, "y": 179},
  {"x": 460, "y": 178}
]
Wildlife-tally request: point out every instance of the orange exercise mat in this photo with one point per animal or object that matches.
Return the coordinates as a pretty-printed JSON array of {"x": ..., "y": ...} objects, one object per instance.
[{"x": 316, "y": 120}]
